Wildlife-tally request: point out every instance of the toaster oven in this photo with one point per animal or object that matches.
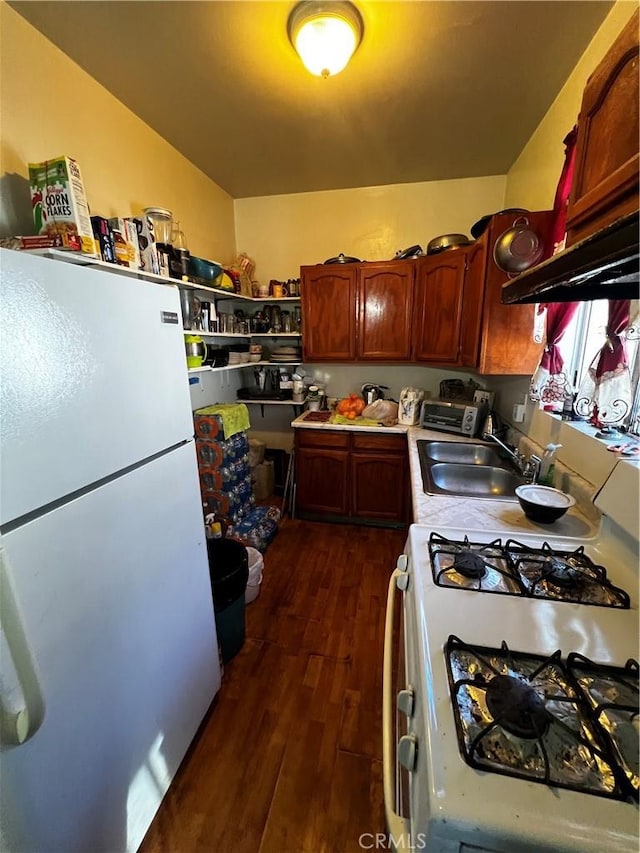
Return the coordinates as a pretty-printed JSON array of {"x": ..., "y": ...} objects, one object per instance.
[{"x": 464, "y": 417}]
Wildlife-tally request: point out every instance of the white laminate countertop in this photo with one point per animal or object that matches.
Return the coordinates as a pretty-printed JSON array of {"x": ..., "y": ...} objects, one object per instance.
[
  {"x": 300, "y": 423},
  {"x": 484, "y": 514}
]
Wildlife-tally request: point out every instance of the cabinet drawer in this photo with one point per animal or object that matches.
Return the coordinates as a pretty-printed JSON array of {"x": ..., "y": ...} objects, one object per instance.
[
  {"x": 385, "y": 441},
  {"x": 322, "y": 438}
]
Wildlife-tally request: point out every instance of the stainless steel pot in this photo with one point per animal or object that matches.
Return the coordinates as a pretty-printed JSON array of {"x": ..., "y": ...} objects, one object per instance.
[
  {"x": 518, "y": 248},
  {"x": 447, "y": 241}
]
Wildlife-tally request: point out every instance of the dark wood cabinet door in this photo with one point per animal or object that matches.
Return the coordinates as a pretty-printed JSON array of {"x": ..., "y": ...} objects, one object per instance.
[
  {"x": 328, "y": 300},
  {"x": 507, "y": 344},
  {"x": 378, "y": 486},
  {"x": 605, "y": 182},
  {"x": 321, "y": 481},
  {"x": 438, "y": 307},
  {"x": 385, "y": 303},
  {"x": 472, "y": 301}
]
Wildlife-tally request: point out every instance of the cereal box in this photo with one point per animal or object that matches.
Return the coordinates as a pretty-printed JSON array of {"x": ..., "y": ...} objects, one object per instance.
[{"x": 59, "y": 202}]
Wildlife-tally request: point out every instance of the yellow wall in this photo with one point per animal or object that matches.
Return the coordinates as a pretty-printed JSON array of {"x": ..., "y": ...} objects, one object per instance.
[
  {"x": 284, "y": 232},
  {"x": 532, "y": 180},
  {"x": 50, "y": 106}
]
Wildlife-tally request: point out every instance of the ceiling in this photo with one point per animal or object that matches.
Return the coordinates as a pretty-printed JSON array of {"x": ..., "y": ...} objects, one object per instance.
[{"x": 436, "y": 90}]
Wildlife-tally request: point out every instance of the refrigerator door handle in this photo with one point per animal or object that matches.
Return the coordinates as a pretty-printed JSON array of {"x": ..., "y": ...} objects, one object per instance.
[{"x": 21, "y": 702}]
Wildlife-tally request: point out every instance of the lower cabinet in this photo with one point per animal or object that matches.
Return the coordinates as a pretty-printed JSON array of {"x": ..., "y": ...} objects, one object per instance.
[{"x": 352, "y": 476}]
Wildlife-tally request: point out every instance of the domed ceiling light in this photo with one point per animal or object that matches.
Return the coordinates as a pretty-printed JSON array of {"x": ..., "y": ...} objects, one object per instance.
[{"x": 325, "y": 35}]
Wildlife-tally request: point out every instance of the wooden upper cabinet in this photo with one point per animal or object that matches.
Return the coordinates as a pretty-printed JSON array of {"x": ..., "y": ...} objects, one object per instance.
[
  {"x": 328, "y": 299},
  {"x": 472, "y": 303},
  {"x": 605, "y": 182},
  {"x": 507, "y": 343},
  {"x": 438, "y": 307},
  {"x": 385, "y": 303}
]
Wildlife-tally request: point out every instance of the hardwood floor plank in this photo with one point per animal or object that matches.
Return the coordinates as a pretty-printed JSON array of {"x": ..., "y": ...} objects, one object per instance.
[{"x": 289, "y": 757}]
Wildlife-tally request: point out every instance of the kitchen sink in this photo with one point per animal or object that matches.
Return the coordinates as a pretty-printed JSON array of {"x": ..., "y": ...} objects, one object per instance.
[
  {"x": 467, "y": 454},
  {"x": 467, "y": 470}
]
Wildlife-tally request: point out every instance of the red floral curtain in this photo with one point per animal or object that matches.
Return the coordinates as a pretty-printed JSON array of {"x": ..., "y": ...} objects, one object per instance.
[
  {"x": 549, "y": 384},
  {"x": 605, "y": 394}
]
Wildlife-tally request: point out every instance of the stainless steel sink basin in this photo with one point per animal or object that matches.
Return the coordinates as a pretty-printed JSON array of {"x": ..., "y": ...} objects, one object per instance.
[
  {"x": 477, "y": 481},
  {"x": 467, "y": 454},
  {"x": 467, "y": 470}
]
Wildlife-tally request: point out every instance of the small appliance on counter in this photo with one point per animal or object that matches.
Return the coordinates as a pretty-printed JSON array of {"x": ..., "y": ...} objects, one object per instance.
[
  {"x": 371, "y": 392},
  {"x": 410, "y": 405},
  {"x": 464, "y": 417}
]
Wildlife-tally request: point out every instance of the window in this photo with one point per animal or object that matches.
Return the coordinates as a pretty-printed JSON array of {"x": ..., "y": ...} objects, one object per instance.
[{"x": 582, "y": 342}]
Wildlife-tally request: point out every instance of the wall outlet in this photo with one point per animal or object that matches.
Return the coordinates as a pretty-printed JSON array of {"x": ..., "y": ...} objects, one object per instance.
[
  {"x": 519, "y": 411},
  {"x": 481, "y": 396}
]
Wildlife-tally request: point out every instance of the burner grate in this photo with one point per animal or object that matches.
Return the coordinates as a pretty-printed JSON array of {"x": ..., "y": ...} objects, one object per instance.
[
  {"x": 472, "y": 565},
  {"x": 528, "y": 571},
  {"x": 612, "y": 694},
  {"x": 563, "y": 575},
  {"x": 523, "y": 715}
]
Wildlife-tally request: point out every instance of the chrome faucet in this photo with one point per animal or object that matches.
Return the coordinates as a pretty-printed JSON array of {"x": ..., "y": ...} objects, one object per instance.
[{"x": 529, "y": 466}]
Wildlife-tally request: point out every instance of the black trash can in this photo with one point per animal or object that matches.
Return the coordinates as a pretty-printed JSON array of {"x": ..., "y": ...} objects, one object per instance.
[{"x": 229, "y": 572}]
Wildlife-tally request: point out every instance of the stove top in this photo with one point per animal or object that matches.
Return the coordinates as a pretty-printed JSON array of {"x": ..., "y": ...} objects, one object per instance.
[
  {"x": 569, "y": 724},
  {"x": 509, "y": 567}
]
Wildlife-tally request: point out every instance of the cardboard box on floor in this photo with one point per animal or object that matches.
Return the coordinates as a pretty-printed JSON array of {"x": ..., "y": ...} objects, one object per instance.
[{"x": 263, "y": 479}]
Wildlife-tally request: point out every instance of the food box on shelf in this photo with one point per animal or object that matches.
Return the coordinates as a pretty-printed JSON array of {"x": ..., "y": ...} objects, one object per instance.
[
  {"x": 129, "y": 232},
  {"x": 59, "y": 202},
  {"x": 103, "y": 235}
]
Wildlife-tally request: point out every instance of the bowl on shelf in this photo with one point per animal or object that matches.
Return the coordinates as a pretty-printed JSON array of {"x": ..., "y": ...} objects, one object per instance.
[
  {"x": 542, "y": 503},
  {"x": 203, "y": 269},
  {"x": 255, "y": 356}
]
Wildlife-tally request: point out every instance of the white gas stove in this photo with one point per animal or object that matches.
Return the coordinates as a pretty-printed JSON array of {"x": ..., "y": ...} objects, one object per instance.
[{"x": 505, "y": 739}]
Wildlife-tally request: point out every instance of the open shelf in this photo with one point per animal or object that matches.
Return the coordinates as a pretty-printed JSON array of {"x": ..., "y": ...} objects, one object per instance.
[{"x": 70, "y": 257}]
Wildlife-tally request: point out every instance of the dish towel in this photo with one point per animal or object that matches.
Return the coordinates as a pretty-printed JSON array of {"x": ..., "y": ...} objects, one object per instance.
[{"x": 234, "y": 417}]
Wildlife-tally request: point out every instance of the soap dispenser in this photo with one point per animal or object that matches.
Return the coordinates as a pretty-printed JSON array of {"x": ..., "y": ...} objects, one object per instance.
[{"x": 548, "y": 465}]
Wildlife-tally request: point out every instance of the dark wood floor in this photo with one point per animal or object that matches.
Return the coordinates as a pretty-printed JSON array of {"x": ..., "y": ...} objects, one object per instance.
[{"x": 289, "y": 759}]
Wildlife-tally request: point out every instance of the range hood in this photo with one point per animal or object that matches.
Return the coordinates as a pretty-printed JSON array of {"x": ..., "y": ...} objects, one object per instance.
[{"x": 602, "y": 266}]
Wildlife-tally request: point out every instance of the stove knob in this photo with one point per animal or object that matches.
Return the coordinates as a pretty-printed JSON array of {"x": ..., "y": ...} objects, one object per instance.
[
  {"x": 404, "y": 701},
  {"x": 407, "y": 750}
]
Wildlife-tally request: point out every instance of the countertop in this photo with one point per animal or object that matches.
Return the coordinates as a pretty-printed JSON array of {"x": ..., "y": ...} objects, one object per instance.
[
  {"x": 439, "y": 511},
  {"x": 300, "y": 423}
]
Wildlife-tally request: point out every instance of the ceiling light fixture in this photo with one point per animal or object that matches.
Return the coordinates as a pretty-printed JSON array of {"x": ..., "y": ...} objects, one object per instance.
[{"x": 325, "y": 35}]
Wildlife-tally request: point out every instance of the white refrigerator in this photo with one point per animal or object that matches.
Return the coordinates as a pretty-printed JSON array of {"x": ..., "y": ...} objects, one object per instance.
[{"x": 108, "y": 651}]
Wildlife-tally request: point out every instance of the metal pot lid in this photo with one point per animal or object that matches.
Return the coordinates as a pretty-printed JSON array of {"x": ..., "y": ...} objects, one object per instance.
[
  {"x": 479, "y": 227},
  {"x": 411, "y": 252},
  {"x": 342, "y": 259}
]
